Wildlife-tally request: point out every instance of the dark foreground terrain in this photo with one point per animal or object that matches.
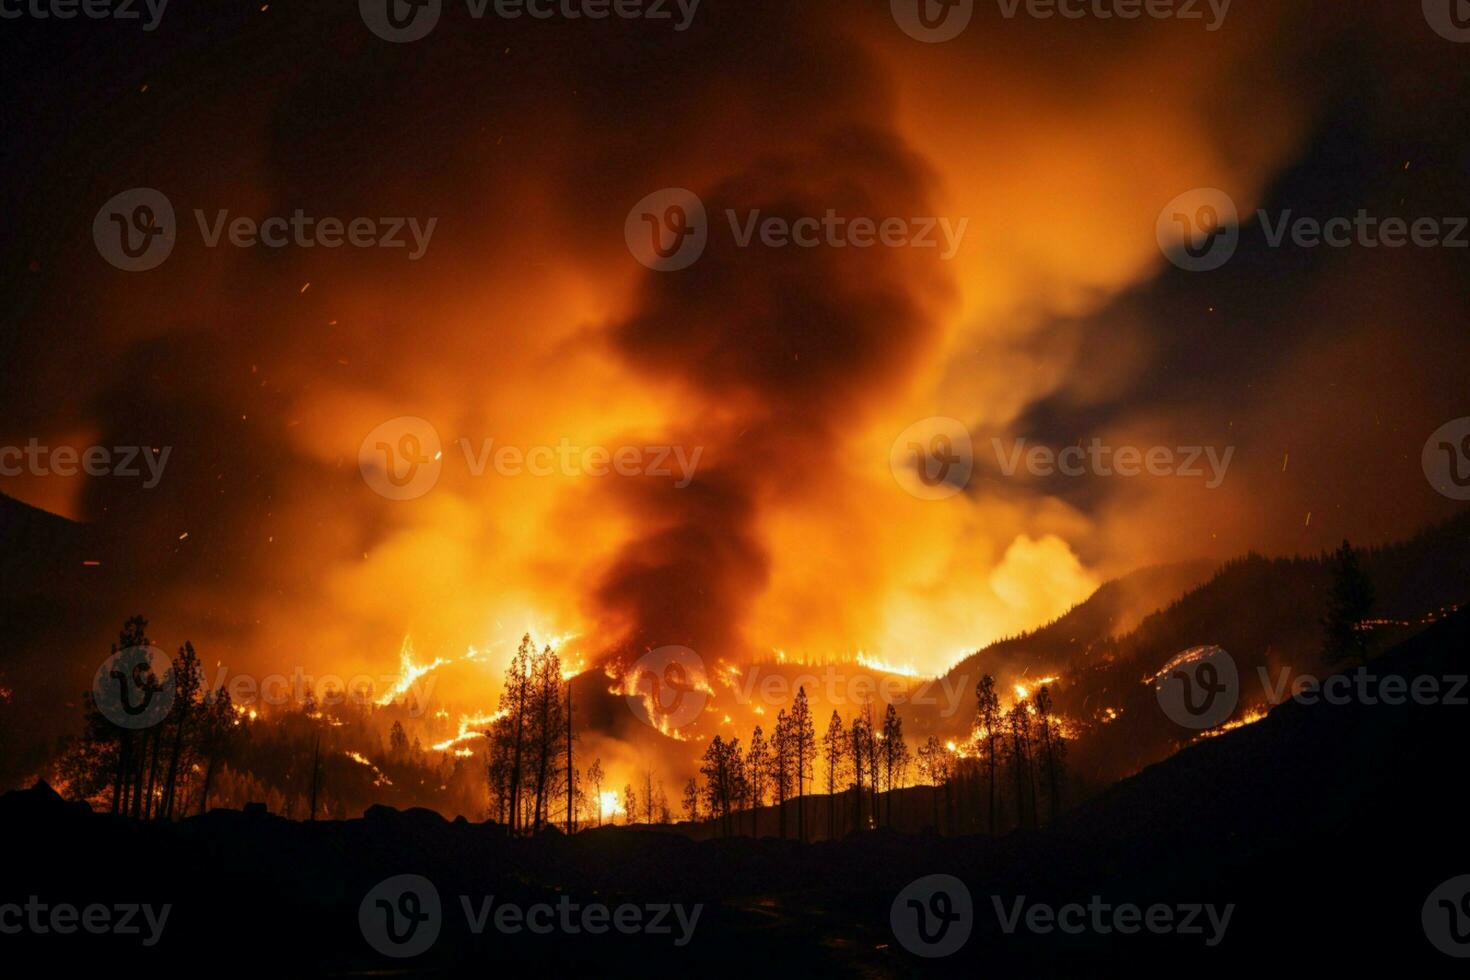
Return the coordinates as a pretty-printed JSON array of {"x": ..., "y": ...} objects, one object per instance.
[{"x": 1326, "y": 827}]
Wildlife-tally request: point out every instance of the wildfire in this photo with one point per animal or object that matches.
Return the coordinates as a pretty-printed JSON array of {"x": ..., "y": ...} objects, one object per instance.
[
  {"x": 1249, "y": 718},
  {"x": 611, "y": 805},
  {"x": 654, "y": 690},
  {"x": 554, "y": 640},
  {"x": 470, "y": 727},
  {"x": 1023, "y": 692},
  {"x": 378, "y": 778},
  {"x": 873, "y": 663},
  {"x": 409, "y": 672},
  {"x": 1191, "y": 656}
]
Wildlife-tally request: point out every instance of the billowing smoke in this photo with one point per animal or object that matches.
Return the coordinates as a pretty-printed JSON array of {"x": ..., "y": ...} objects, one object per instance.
[
  {"x": 527, "y": 322},
  {"x": 778, "y": 353}
]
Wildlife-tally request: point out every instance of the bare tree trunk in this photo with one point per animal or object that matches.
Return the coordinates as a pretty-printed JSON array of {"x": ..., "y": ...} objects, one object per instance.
[
  {"x": 316, "y": 755},
  {"x": 571, "y": 773},
  {"x": 208, "y": 781},
  {"x": 173, "y": 767},
  {"x": 124, "y": 749}
]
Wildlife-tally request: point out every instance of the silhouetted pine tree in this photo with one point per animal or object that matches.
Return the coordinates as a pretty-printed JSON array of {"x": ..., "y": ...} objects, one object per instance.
[
  {"x": 895, "y": 754},
  {"x": 803, "y": 753},
  {"x": 782, "y": 769},
  {"x": 187, "y": 681},
  {"x": 757, "y": 775},
  {"x": 1349, "y": 602},
  {"x": 987, "y": 720},
  {"x": 1052, "y": 751},
  {"x": 691, "y": 800},
  {"x": 858, "y": 740},
  {"x": 834, "y": 750}
]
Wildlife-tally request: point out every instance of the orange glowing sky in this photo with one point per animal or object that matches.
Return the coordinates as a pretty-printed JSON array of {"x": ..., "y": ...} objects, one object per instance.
[{"x": 529, "y": 322}]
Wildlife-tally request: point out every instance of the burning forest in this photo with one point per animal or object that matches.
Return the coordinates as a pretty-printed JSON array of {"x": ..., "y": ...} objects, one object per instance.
[{"x": 887, "y": 489}]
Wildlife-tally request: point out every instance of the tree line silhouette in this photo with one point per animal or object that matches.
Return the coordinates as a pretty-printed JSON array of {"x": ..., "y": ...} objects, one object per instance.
[
  {"x": 312, "y": 757},
  {"x": 165, "y": 769},
  {"x": 1011, "y": 770}
]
